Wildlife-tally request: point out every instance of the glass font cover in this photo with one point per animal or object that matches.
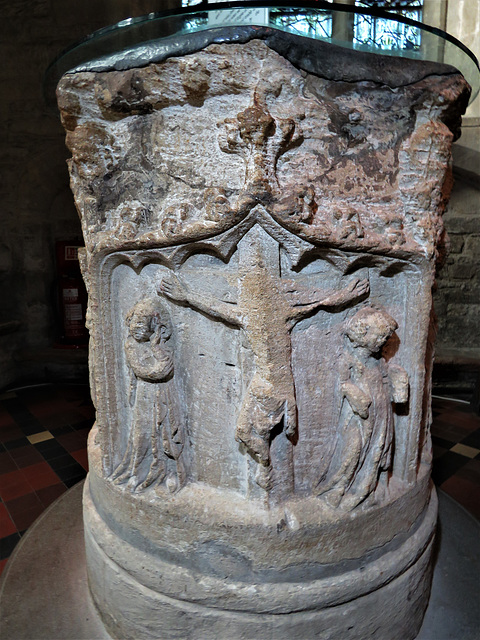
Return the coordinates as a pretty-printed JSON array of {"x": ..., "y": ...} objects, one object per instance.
[{"x": 135, "y": 42}]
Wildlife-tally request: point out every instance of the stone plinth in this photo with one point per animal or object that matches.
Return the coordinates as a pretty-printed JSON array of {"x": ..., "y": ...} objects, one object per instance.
[{"x": 261, "y": 238}]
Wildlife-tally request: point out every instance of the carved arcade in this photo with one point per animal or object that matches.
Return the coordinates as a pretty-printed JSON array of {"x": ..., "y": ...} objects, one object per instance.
[{"x": 261, "y": 291}]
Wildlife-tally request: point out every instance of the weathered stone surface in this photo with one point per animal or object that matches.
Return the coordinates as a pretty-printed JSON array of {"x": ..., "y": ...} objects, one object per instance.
[
  {"x": 260, "y": 251},
  {"x": 353, "y": 138}
]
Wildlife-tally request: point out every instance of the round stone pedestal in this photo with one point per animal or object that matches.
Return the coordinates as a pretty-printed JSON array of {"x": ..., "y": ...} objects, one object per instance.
[
  {"x": 245, "y": 575},
  {"x": 44, "y": 592}
]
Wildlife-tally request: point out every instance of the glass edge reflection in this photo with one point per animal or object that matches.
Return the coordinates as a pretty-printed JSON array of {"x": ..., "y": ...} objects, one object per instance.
[{"x": 55, "y": 70}]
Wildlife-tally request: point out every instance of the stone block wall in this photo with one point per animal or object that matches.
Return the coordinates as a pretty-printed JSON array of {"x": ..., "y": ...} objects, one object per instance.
[{"x": 457, "y": 298}]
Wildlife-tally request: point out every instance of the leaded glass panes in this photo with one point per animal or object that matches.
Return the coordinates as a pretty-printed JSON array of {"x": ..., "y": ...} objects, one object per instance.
[
  {"x": 371, "y": 31},
  {"x": 318, "y": 25},
  {"x": 388, "y": 34}
]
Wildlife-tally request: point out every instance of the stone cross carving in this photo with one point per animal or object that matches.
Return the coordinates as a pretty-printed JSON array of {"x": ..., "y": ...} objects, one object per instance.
[
  {"x": 267, "y": 309},
  {"x": 260, "y": 139}
]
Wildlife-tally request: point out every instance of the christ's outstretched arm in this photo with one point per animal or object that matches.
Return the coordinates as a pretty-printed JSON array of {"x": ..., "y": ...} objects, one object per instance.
[
  {"x": 304, "y": 301},
  {"x": 173, "y": 288}
]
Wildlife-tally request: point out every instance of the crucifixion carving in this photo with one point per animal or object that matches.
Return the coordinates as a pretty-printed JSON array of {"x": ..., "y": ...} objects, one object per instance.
[{"x": 267, "y": 308}]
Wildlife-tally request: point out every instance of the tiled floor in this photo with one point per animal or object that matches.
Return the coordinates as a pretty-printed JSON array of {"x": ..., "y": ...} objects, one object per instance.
[
  {"x": 43, "y": 434},
  {"x": 456, "y": 452}
]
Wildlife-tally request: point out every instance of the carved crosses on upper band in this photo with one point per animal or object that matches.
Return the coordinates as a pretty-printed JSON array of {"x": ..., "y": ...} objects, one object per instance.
[
  {"x": 156, "y": 432},
  {"x": 267, "y": 309},
  {"x": 369, "y": 385},
  {"x": 260, "y": 139}
]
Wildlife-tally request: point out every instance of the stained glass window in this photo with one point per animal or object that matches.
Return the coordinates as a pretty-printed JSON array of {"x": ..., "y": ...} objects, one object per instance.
[
  {"x": 371, "y": 31},
  {"x": 388, "y": 34},
  {"x": 317, "y": 25}
]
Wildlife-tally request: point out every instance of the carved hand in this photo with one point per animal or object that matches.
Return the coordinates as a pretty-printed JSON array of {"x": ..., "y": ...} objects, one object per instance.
[
  {"x": 158, "y": 336},
  {"x": 358, "y": 288},
  {"x": 399, "y": 383},
  {"x": 355, "y": 289},
  {"x": 164, "y": 364},
  {"x": 358, "y": 400},
  {"x": 173, "y": 288},
  {"x": 149, "y": 361}
]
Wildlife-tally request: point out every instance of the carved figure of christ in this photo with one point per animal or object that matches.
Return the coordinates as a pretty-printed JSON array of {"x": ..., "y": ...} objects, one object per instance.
[{"x": 267, "y": 309}]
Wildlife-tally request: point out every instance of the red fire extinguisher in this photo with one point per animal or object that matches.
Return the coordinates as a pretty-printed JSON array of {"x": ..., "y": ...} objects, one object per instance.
[{"x": 72, "y": 294}]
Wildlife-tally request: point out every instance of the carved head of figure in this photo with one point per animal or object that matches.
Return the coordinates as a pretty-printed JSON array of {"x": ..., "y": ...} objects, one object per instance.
[
  {"x": 370, "y": 328},
  {"x": 146, "y": 320}
]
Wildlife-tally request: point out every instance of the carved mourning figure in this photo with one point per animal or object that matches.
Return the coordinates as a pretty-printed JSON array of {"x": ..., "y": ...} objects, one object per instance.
[
  {"x": 369, "y": 385},
  {"x": 267, "y": 309},
  {"x": 155, "y": 432}
]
